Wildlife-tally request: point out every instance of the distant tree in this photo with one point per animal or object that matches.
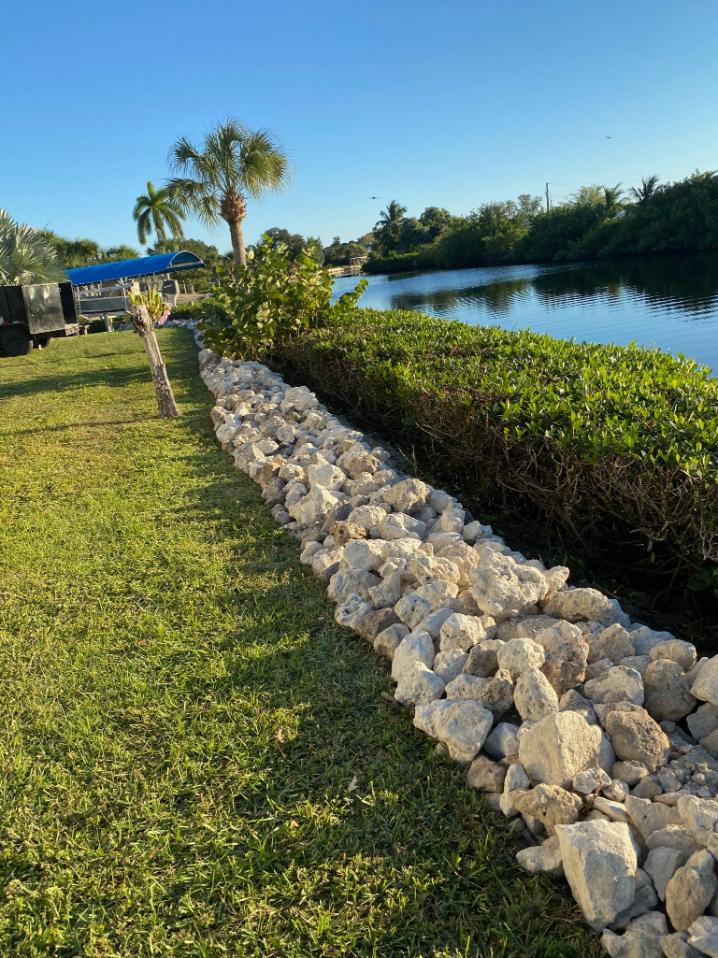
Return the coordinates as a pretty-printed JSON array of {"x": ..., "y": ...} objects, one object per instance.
[
  {"x": 387, "y": 231},
  {"x": 294, "y": 242},
  {"x": 232, "y": 164},
  {"x": 71, "y": 253},
  {"x": 613, "y": 198},
  {"x": 26, "y": 255},
  {"x": 435, "y": 220},
  {"x": 313, "y": 247},
  {"x": 157, "y": 210},
  {"x": 118, "y": 253},
  {"x": 646, "y": 190},
  {"x": 528, "y": 207},
  {"x": 588, "y": 196}
]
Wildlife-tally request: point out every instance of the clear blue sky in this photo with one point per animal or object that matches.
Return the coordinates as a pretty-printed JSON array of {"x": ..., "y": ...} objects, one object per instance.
[{"x": 451, "y": 103}]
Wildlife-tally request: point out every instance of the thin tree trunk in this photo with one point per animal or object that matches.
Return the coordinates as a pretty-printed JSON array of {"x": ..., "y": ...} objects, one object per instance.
[
  {"x": 236, "y": 231},
  {"x": 166, "y": 405}
]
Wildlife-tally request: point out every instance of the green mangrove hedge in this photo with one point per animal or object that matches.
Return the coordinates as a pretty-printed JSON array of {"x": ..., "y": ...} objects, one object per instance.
[{"x": 615, "y": 448}]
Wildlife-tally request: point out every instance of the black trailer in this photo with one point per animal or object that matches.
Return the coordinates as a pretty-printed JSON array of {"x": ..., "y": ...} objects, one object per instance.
[{"x": 32, "y": 315}]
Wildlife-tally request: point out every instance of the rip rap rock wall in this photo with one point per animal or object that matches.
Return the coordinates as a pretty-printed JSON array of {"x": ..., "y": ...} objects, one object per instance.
[{"x": 597, "y": 735}]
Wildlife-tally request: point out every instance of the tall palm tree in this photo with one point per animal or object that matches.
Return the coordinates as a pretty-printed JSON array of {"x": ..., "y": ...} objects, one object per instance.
[
  {"x": 217, "y": 178},
  {"x": 157, "y": 210},
  {"x": 645, "y": 190},
  {"x": 26, "y": 256}
]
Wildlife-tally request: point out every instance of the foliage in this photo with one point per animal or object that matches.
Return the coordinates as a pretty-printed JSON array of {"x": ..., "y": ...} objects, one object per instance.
[
  {"x": 26, "y": 255},
  {"x": 160, "y": 211},
  {"x": 84, "y": 252},
  {"x": 201, "y": 279},
  {"x": 232, "y": 164},
  {"x": 151, "y": 299},
  {"x": 270, "y": 300},
  {"x": 597, "y": 222},
  {"x": 296, "y": 243},
  {"x": 617, "y": 447},
  {"x": 340, "y": 254}
]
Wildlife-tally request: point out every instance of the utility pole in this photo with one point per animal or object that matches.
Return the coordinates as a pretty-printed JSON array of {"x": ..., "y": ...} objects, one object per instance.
[{"x": 548, "y": 198}]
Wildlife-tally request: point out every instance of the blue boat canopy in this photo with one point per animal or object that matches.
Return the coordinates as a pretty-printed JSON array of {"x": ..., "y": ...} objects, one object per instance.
[{"x": 132, "y": 268}]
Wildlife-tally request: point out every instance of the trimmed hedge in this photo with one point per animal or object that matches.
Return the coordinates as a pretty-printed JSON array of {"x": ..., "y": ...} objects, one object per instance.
[{"x": 614, "y": 447}]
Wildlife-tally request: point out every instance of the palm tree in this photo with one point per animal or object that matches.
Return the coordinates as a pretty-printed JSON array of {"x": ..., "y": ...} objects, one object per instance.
[
  {"x": 26, "y": 256},
  {"x": 613, "y": 197},
  {"x": 388, "y": 227},
  {"x": 232, "y": 164},
  {"x": 157, "y": 210},
  {"x": 645, "y": 190}
]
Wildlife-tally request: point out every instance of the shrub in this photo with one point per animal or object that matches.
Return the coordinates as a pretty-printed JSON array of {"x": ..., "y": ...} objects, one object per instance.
[
  {"x": 269, "y": 301},
  {"x": 614, "y": 447}
]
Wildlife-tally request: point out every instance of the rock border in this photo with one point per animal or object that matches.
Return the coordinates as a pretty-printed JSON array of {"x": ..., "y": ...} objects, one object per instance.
[{"x": 597, "y": 734}]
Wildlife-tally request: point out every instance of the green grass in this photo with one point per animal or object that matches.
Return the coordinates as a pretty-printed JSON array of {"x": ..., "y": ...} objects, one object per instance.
[{"x": 181, "y": 719}]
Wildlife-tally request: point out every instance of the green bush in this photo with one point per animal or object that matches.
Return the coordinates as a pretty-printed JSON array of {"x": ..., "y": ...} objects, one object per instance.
[
  {"x": 269, "y": 301},
  {"x": 613, "y": 447}
]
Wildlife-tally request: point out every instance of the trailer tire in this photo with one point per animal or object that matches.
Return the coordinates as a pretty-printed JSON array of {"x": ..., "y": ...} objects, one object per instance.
[{"x": 15, "y": 341}]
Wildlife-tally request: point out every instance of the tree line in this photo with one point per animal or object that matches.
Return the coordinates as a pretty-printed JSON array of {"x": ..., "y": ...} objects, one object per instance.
[{"x": 596, "y": 222}]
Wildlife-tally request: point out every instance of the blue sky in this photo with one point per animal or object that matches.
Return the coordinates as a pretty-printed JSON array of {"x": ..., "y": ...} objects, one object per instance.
[{"x": 451, "y": 103}]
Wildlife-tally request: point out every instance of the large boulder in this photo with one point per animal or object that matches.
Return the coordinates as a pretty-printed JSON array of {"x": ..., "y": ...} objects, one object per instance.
[
  {"x": 555, "y": 749},
  {"x": 599, "y": 861}
]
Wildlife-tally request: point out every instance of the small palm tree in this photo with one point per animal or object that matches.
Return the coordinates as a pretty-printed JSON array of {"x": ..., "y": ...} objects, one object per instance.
[
  {"x": 388, "y": 227},
  {"x": 232, "y": 164},
  {"x": 645, "y": 190},
  {"x": 157, "y": 210},
  {"x": 26, "y": 256}
]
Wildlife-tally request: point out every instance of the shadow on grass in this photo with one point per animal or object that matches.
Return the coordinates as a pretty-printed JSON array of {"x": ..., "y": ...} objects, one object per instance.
[{"x": 411, "y": 810}]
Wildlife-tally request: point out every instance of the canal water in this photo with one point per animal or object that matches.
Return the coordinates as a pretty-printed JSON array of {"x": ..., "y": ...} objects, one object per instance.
[{"x": 670, "y": 302}]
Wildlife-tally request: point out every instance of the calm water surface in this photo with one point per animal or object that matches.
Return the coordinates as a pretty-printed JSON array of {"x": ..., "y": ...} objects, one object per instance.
[{"x": 666, "y": 302}]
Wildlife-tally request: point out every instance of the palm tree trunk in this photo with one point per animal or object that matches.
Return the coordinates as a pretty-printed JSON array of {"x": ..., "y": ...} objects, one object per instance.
[
  {"x": 237, "y": 233},
  {"x": 166, "y": 404}
]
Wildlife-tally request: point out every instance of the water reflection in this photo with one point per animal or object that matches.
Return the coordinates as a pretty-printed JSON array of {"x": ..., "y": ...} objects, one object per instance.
[{"x": 671, "y": 302}]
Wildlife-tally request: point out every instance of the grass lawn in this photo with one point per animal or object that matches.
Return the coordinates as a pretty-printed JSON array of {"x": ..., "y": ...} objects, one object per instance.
[{"x": 181, "y": 719}]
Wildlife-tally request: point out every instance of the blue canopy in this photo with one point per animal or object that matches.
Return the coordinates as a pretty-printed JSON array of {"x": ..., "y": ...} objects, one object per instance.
[{"x": 130, "y": 268}]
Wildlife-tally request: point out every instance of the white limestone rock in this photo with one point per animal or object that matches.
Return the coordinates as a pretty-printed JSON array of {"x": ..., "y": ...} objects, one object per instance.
[
  {"x": 668, "y": 695},
  {"x": 462, "y": 725},
  {"x": 577, "y": 604},
  {"x": 418, "y": 685},
  {"x": 448, "y": 665},
  {"x": 534, "y": 696},
  {"x": 690, "y": 890},
  {"x": 617, "y": 684},
  {"x": 501, "y": 586},
  {"x": 600, "y": 863},
  {"x": 555, "y": 749},
  {"x": 387, "y": 642},
  {"x": 661, "y": 864},
  {"x": 416, "y": 647},
  {"x": 466, "y": 687},
  {"x": 519, "y": 655},
  {"x": 642, "y": 938},
  {"x": 485, "y": 775},
  {"x": 565, "y": 655},
  {"x": 705, "y": 686},
  {"x": 542, "y": 859},
  {"x": 461, "y": 632},
  {"x": 503, "y": 742},
  {"x": 636, "y": 737}
]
